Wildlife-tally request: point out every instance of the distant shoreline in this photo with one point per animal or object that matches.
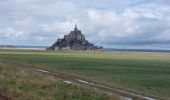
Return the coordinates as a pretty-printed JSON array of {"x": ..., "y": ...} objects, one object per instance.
[
  {"x": 136, "y": 50},
  {"x": 19, "y": 47}
]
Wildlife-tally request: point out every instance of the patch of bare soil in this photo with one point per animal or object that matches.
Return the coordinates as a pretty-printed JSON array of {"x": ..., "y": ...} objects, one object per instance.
[{"x": 4, "y": 98}]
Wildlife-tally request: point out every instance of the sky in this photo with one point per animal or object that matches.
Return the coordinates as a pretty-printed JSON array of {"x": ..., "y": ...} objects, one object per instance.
[{"x": 143, "y": 24}]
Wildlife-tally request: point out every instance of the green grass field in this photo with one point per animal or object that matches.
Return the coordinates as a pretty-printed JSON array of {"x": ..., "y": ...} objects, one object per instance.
[
  {"x": 18, "y": 83},
  {"x": 148, "y": 73}
]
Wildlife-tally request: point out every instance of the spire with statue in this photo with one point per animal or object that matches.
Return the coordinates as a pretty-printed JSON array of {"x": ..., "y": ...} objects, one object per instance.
[{"x": 75, "y": 29}]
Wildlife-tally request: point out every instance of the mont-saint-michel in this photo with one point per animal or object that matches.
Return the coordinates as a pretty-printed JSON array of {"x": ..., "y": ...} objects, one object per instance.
[
  {"x": 75, "y": 41},
  {"x": 121, "y": 52}
]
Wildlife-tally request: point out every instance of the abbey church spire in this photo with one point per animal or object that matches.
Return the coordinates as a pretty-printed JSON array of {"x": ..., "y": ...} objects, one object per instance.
[{"x": 75, "y": 29}]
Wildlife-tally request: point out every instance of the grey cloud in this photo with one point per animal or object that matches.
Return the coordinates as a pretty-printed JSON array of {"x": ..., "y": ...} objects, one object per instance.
[{"x": 105, "y": 22}]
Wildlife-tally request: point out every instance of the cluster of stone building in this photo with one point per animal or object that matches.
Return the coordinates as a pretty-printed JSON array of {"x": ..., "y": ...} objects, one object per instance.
[{"x": 74, "y": 41}]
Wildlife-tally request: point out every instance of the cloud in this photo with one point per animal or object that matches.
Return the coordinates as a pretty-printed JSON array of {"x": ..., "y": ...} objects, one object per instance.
[
  {"x": 24, "y": 21},
  {"x": 125, "y": 23},
  {"x": 60, "y": 26},
  {"x": 10, "y": 33}
]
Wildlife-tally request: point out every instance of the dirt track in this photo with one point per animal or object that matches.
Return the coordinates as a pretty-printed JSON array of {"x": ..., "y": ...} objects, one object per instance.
[
  {"x": 103, "y": 88},
  {"x": 4, "y": 98},
  {"x": 74, "y": 80}
]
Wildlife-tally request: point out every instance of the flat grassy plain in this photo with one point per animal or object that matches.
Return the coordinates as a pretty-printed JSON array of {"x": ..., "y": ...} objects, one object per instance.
[
  {"x": 19, "y": 83},
  {"x": 148, "y": 73}
]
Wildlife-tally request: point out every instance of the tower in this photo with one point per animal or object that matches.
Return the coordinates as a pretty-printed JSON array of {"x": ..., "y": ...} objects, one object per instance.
[{"x": 75, "y": 28}]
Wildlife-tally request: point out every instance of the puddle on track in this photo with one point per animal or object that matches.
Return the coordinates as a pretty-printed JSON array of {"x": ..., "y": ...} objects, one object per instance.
[
  {"x": 1, "y": 63},
  {"x": 44, "y": 71},
  {"x": 68, "y": 82}
]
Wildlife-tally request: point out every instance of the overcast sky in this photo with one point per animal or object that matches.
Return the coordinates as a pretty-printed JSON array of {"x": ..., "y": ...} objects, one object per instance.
[{"x": 111, "y": 23}]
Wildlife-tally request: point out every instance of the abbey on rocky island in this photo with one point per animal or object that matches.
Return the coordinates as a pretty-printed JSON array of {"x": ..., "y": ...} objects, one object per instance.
[{"x": 74, "y": 41}]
